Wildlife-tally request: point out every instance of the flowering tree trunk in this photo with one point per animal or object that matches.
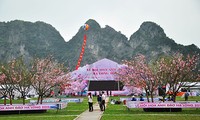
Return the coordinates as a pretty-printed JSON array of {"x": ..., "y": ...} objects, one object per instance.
[
  {"x": 147, "y": 95},
  {"x": 4, "y": 101},
  {"x": 138, "y": 73}
]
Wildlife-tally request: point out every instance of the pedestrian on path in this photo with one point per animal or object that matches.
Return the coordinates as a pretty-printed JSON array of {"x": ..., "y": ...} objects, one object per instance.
[
  {"x": 103, "y": 101},
  {"x": 186, "y": 96},
  {"x": 90, "y": 102},
  {"x": 99, "y": 99}
]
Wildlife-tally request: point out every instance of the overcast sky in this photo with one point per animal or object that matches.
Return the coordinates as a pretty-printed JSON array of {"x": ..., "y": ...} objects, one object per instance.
[{"x": 180, "y": 19}]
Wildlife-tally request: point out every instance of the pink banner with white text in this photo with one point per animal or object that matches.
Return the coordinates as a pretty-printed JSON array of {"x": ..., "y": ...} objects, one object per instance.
[
  {"x": 133, "y": 104},
  {"x": 104, "y": 69},
  {"x": 32, "y": 107}
]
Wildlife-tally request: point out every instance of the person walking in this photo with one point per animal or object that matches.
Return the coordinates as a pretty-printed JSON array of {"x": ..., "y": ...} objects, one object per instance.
[
  {"x": 186, "y": 96},
  {"x": 103, "y": 101},
  {"x": 99, "y": 99},
  {"x": 90, "y": 102}
]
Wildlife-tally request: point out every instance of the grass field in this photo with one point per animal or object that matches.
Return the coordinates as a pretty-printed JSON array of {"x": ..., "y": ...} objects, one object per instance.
[
  {"x": 113, "y": 112},
  {"x": 69, "y": 113},
  {"x": 119, "y": 112}
]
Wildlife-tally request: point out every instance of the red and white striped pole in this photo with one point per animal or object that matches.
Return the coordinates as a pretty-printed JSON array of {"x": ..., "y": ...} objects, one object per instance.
[
  {"x": 86, "y": 27},
  {"x": 82, "y": 52}
]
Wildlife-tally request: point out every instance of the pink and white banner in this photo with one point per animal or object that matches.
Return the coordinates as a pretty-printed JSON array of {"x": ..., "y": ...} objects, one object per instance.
[
  {"x": 104, "y": 69},
  {"x": 133, "y": 104},
  {"x": 32, "y": 107}
]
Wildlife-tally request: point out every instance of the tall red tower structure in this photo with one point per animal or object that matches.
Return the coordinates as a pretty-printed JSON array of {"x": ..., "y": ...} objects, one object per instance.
[{"x": 85, "y": 27}]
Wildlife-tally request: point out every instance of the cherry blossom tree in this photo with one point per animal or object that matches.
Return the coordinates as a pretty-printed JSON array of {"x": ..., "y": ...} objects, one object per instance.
[
  {"x": 4, "y": 88},
  {"x": 15, "y": 76},
  {"x": 127, "y": 76},
  {"x": 6, "y": 80},
  {"x": 48, "y": 74},
  {"x": 177, "y": 70},
  {"x": 22, "y": 77},
  {"x": 139, "y": 74}
]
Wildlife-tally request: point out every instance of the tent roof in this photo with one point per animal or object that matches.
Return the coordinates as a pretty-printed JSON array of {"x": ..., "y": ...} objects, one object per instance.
[{"x": 103, "y": 69}]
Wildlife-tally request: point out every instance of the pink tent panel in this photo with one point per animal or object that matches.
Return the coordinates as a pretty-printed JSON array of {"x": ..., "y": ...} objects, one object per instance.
[{"x": 103, "y": 69}]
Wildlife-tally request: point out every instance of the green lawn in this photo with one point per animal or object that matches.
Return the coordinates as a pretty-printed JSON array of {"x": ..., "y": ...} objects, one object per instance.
[
  {"x": 119, "y": 112},
  {"x": 69, "y": 113},
  {"x": 113, "y": 112}
]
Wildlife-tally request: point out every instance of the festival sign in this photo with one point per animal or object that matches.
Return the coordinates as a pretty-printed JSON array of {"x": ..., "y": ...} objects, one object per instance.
[
  {"x": 66, "y": 100},
  {"x": 104, "y": 69},
  {"x": 33, "y": 107},
  {"x": 133, "y": 104}
]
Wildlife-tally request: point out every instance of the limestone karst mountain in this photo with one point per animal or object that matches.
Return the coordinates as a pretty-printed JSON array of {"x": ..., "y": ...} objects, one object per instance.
[{"x": 40, "y": 39}]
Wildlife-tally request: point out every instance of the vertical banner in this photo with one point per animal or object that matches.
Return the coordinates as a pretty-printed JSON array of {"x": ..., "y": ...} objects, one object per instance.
[{"x": 82, "y": 51}]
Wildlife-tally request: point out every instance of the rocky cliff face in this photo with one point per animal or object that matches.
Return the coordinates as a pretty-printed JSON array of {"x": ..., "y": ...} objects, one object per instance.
[
  {"x": 19, "y": 38},
  {"x": 147, "y": 33},
  {"x": 40, "y": 39},
  {"x": 151, "y": 41},
  {"x": 101, "y": 43}
]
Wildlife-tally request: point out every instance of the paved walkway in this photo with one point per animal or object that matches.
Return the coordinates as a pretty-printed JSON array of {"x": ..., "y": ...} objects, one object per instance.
[{"x": 95, "y": 115}]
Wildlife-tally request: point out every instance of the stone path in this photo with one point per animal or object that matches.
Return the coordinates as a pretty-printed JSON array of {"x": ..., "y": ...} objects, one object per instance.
[{"x": 95, "y": 115}]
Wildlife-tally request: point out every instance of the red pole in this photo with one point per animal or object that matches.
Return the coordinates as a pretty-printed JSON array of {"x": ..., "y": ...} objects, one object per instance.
[{"x": 82, "y": 51}]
